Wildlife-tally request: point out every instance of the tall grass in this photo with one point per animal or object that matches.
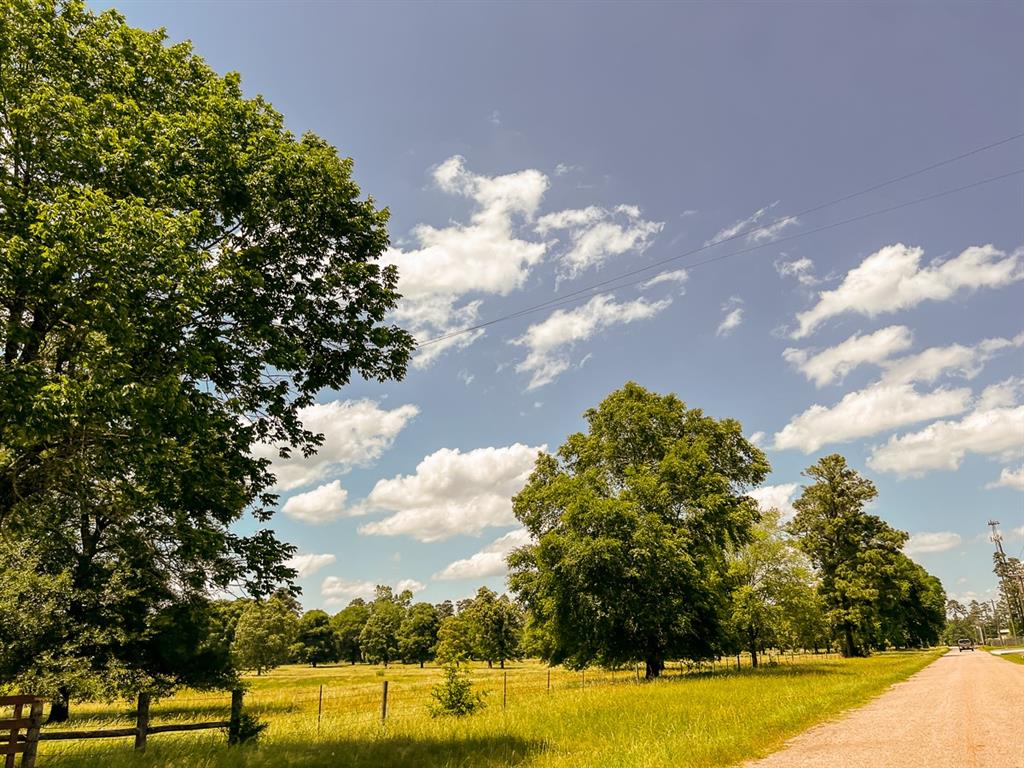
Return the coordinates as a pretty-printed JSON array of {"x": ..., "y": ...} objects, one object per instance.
[{"x": 708, "y": 717}]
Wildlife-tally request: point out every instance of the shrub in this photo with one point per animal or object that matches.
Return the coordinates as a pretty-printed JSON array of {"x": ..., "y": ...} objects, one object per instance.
[{"x": 454, "y": 695}]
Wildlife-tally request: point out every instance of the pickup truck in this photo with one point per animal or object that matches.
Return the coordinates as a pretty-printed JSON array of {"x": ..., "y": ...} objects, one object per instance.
[{"x": 965, "y": 644}]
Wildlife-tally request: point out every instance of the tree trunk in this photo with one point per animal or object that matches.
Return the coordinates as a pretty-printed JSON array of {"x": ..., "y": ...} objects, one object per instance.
[
  {"x": 502, "y": 665},
  {"x": 421, "y": 665},
  {"x": 60, "y": 706},
  {"x": 753, "y": 648},
  {"x": 490, "y": 664},
  {"x": 653, "y": 667},
  {"x": 851, "y": 648}
]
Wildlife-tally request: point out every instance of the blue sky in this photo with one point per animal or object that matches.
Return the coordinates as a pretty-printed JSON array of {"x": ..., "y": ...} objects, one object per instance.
[{"x": 529, "y": 150}]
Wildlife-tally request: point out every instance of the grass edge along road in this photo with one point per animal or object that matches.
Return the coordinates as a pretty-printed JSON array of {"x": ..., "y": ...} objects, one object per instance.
[{"x": 695, "y": 720}]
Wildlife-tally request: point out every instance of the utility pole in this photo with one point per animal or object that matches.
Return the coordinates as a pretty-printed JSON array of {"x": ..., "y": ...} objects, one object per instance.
[{"x": 1011, "y": 582}]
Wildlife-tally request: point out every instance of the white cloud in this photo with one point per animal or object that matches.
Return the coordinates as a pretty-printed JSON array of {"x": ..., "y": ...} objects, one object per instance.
[
  {"x": 597, "y": 234},
  {"x": 962, "y": 361},
  {"x": 778, "y": 497},
  {"x": 356, "y": 433},
  {"x": 995, "y": 427},
  {"x": 762, "y": 233},
  {"x": 675, "y": 276},
  {"x": 868, "y": 411},
  {"x": 926, "y": 542},
  {"x": 308, "y": 564},
  {"x": 757, "y": 438},
  {"x": 452, "y": 493},
  {"x": 833, "y": 363},
  {"x": 489, "y": 561},
  {"x": 1010, "y": 478},
  {"x": 892, "y": 279},
  {"x": 800, "y": 268},
  {"x": 483, "y": 256},
  {"x": 321, "y": 505},
  {"x": 550, "y": 340},
  {"x": 733, "y": 316},
  {"x": 337, "y": 591}
]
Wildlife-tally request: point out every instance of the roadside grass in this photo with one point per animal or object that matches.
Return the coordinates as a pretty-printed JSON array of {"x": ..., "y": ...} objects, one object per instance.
[
  {"x": 1016, "y": 658},
  {"x": 693, "y": 717}
]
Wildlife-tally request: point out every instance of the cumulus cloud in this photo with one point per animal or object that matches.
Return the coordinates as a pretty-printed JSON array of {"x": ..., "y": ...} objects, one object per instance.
[
  {"x": 308, "y": 564},
  {"x": 995, "y": 427},
  {"x": 337, "y": 591},
  {"x": 733, "y": 310},
  {"x": 868, "y": 411},
  {"x": 1010, "y": 478},
  {"x": 679, "y": 276},
  {"x": 550, "y": 341},
  {"x": 356, "y": 433},
  {"x": 452, "y": 493},
  {"x": 928, "y": 542},
  {"x": 489, "y": 561},
  {"x": 832, "y": 364},
  {"x": 758, "y": 233},
  {"x": 955, "y": 359},
  {"x": 596, "y": 234},
  {"x": 448, "y": 271},
  {"x": 484, "y": 256},
  {"x": 893, "y": 279},
  {"x": 321, "y": 505},
  {"x": 778, "y": 497},
  {"x": 801, "y": 269}
]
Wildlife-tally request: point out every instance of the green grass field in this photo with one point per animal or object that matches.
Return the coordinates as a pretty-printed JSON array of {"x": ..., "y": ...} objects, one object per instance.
[
  {"x": 1016, "y": 658},
  {"x": 692, "y": 717}
]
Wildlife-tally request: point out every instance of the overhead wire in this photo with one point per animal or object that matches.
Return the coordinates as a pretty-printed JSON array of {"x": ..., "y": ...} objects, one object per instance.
[{"x": 592, "y": 289}]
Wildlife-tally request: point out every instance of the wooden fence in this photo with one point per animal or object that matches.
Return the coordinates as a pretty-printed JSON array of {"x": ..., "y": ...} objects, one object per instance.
[{"x": 26, "y": 744}]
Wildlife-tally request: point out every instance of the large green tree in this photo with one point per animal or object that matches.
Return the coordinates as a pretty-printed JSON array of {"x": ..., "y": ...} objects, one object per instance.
[
  {"x": 179, "y": 277},
  {"x": 417, "y": 634},
  {"x": 858, "y": 555},
  {"x": 378, "y": 639},
  {"x": 315, "y": 642},
  {"x": 497, "y": 626},
  {"x": 773, "y": 588},
  {"x": 264, "y": 636},
  {"x": 348, "y": 624},
  {"x": 632, "y": 521}
]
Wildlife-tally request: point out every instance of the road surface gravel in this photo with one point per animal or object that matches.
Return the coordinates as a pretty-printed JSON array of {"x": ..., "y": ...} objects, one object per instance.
[{"x": 965, "y": 710}]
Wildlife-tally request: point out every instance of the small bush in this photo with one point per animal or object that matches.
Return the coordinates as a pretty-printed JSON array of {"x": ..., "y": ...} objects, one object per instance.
[
  {"x": 454, "y": 695},
  {"x": 250, "y": 728}
]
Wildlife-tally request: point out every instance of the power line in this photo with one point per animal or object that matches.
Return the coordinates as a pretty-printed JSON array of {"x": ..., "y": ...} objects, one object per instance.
[{"x": 599, "y": 288}]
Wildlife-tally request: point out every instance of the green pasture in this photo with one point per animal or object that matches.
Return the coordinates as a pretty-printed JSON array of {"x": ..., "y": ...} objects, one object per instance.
[{"x": 709, "y": 716}]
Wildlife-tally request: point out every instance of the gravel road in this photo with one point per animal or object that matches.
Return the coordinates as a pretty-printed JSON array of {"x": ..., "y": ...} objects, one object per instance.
[{"x": 965, "y": 710}]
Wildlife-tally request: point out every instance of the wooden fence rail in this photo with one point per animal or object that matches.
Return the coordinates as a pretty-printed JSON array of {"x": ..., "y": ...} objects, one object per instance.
[{"x": 13, "y": 742}]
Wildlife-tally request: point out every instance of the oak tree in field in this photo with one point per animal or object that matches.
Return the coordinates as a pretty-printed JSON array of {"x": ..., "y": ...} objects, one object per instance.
[
  {"x": 857, "y": 554},
  {"x": 179, "y": 277},
  {"x": 347, "y": 624},
  {"x": 378, "y": 639},
  {"x": 264, "y": 635},
  {"x": 456, "y": 639},
  {"x": 632, "y": 520},
  {"x": 315, "y": 642},
  {"x": 772, "y": 588},
  {"x": 417, "y": 635},
  {"x": 497, "y": 626}
]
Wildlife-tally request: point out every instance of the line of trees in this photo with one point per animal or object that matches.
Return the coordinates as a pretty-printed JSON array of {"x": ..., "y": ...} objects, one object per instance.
[{"x": 389, "y": 628}]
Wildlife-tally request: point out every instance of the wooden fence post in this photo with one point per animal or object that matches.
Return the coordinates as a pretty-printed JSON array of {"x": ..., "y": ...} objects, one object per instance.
[
  {"x": 13, "y": 741},
  {"x": 384, "y": 704},
  {"x": 549, "y": 678},
  {"x": 28, "y": 758},
  {"x": 141, "y": 722},
  {"x": 504, "y": 690},
  {"x": 235, "y": 723}
]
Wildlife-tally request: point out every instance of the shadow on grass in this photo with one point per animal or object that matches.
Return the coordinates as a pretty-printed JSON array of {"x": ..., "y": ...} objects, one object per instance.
[{"x": 498, "y": 751}]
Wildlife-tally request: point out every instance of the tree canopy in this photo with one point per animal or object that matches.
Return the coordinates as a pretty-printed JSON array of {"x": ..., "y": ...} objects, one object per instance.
[
  {"x": 632, "y": 521},
  {"x": 179, "y": 277}
]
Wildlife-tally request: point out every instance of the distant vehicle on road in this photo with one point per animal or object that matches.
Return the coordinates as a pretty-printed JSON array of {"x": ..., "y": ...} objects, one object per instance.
[{"x": 965, "y": 644}]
